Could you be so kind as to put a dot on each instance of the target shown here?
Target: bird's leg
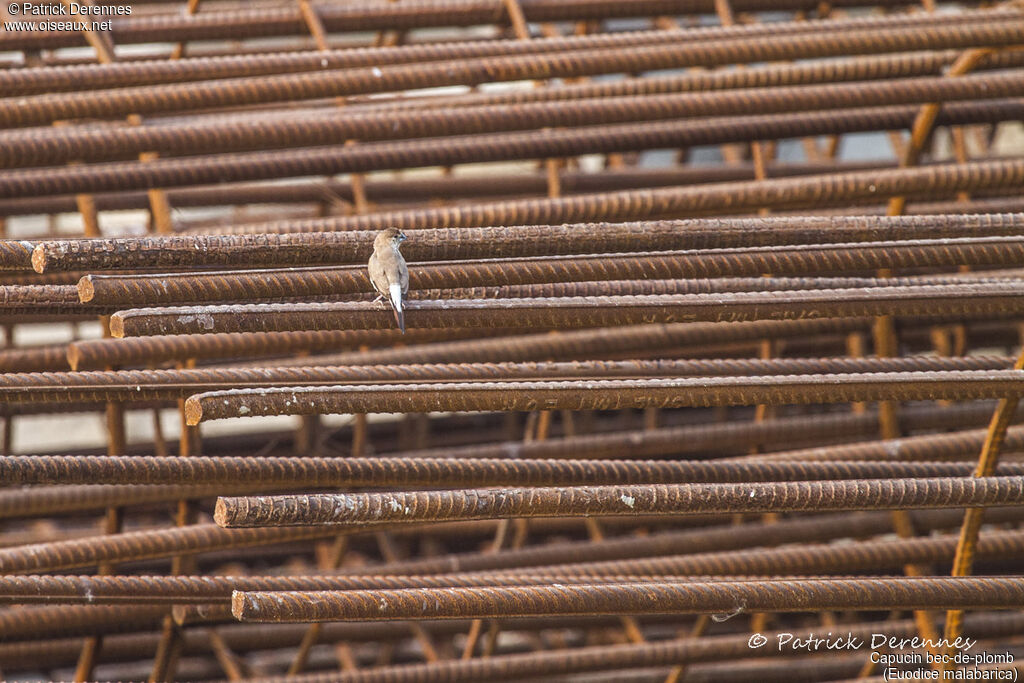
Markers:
(380, 297)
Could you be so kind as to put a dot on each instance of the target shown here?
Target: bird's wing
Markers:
(403, 275)
(378, 275)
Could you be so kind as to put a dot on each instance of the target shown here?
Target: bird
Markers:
(388, 273)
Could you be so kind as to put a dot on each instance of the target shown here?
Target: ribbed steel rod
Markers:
(709, 541)
(677, 499)
(27, 297)
(889, 66)
(258, 22)
(148, 385)
(132, 546)
(969, 300)
(51, 79)
(26, 623)
(31, 359)
(98, 353)
(830, 189)
(137, 290)
(603, 394)
(403, 471)
(598, 658)
(414, 190)
(34, 148)
(218, 589)
(42, 109)
(339, 158)
(793, 432)
(643, 598)
(807, 560)
(267, 249)
(42, 501)
(576, 344)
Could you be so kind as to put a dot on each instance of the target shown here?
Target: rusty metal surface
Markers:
(714, 333)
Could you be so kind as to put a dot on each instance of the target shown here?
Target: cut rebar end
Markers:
(116, 323)
(224, 513)
(193, 406)
(238, 604)
(86, 291)
(39, 262)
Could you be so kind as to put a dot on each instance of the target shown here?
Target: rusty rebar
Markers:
(967, 300)
(268, 249)
(282, 283)
(140, 545)
(602, 394)
(340, 158)
(837, 188)
(149, 385)
(677, 499)
(404, 471)
(41, 109)
(20, 149)
(43, 501)
(710, 540)
(50, 79)
(643, 598)
(287, 21)
(808, 560)
(99, 353)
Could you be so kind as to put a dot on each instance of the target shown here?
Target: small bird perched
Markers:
(388, 272)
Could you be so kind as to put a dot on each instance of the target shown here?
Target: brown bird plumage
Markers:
(388, 272)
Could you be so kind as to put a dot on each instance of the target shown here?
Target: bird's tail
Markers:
(396, 305)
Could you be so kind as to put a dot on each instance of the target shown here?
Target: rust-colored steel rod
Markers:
(28, 623)
(44, 109)
(890, 66)
(188, 251)
(708, 540)
(808, 560)
(133, 546)
(571, 345)
(576, 344)
(259, 22)
(731, 197)
(138, 290)
(29, 297)
(603, 394)
(676, 499)
(51, 79)
(599, 658)
(339, 158)
(34, 359)
(41, 501)
(968, 300)
(959, 445)
(35, 148)
(694, 286)
(16, 254)
(739, 435)
(149, 385)
(415, 190)
(406, 471)
(98, 353)
(393, 194)
(185, 590)
(643, 598)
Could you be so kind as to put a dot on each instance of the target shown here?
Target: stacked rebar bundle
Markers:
(712, 357)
